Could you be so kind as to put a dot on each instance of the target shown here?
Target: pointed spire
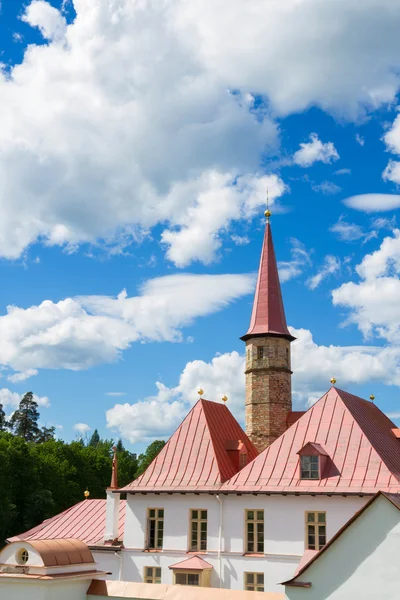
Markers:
(114, 473)
(268, 316)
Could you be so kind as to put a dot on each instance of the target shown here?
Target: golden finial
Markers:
(333, 380)
(267, 212)
(224, 398)
(86, 493)
(372, 397)
(200, 392)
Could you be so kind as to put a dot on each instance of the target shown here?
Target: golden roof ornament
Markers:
(86, 493)
(372, 397)
(225, 399)
(200, 392)
(267, 212)
(333, 380)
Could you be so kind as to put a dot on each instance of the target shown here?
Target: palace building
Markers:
(235, 509)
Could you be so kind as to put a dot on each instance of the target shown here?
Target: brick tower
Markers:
(268, 374)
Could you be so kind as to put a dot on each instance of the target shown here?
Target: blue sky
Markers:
(136, 146)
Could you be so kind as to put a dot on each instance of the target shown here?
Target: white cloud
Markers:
(315, 151)
(343, 172)
(360, 140)
(240, 240)
(103, 129)
(82, 428)
(50, 22)
(77, 333)
(160, 415)
(115, 393)
(300, 260)
(22, 376)
(331, 266)
(392, 173)
(373, 202)
(351, 232)
(373, 302)
(328, 188)
(10, 400)
(392, 141)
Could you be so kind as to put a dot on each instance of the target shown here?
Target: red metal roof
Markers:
(195, 563)
(268, 316)
(85, 521)
(196, 456)
(364, 454)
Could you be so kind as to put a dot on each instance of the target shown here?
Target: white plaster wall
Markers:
(362, 563)
(284, 534)
(108, 561)
(15, 589)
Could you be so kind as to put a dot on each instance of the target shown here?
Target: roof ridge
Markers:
(209, 427)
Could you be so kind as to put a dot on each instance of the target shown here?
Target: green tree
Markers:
(95, 439)
(3, 421)
(45, 435)
(149, 455)
(24, 422)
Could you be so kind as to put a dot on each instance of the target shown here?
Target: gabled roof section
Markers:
(309, 557)
(196, 456)
(195, 563)
(268, 316)
(364, 454)
(312, 448)
(85, 521)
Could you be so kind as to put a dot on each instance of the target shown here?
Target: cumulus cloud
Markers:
(373, 202)
(114, 125)
(160, 415)
(47, 19)
(10, 400)
(77, 333)
(315, 151)
(373, 302)
(392, 141)
(82, 428)
(22, 375)
(331, 266)
(360, 140)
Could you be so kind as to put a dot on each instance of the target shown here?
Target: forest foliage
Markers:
(41, 476)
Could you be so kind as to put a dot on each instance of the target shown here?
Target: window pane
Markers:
(311, 517)
(250, 515)
(195, 526)
(250, 577)
(193, 579)
(203, 527)
(161, 513)
(152, 512)
(158, 571)
(260, 515)
(149, 571)
(195, 514)
(260, 578)
(180, 578)
(204, 514)
(321, 517)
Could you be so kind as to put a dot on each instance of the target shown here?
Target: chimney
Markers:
(112, 506)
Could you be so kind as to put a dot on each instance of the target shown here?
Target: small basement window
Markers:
(309, 467)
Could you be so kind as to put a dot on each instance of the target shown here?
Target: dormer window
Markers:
(313, 461)
(309, 467)
(243, 459)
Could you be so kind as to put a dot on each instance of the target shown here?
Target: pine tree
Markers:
(149, 455)
(24, 422)
(45, 435)
(95, 439)
(120, 446)
(3, 422)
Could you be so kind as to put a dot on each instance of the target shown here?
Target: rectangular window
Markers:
(242, 459)
(155, 528)
(255, 531)
(260, 352)
(152, 575)
(309, 467)
(198, 530)
(254, 582)
(315, 530)
(187, 578)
